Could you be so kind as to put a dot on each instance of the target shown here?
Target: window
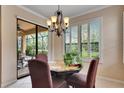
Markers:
(94, 38)
(74, 39)
(67, 40)
(84, 40)
(90, 39)
(71, 39)
(87, 42)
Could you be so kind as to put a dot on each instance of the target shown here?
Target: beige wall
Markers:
(112, 50)
(8, 35)
(57, 48)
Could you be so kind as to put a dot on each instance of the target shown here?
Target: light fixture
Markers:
(57, 23)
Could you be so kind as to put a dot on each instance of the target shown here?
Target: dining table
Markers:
(61, 70)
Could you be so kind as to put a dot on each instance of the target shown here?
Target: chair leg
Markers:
(94, 86)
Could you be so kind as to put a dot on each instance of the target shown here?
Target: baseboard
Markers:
(4, 85)
(111, 79)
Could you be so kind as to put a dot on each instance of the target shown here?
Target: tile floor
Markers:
(100, 83)
(22, 72)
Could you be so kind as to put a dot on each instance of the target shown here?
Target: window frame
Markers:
(70, 41)
(79, 35)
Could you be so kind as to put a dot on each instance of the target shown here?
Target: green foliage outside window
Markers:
(30, 51)
(72, 58)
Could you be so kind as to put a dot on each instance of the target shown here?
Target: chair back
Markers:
(42, 57)
(40, 74)
(91, 76)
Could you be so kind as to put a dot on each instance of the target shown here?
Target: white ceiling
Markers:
(68, 10)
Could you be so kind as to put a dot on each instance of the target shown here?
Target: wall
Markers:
(58, 48)
(112, 47)
(8, 37)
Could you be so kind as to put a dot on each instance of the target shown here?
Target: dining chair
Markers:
(78, 80)
(41, 75)
(42, 57)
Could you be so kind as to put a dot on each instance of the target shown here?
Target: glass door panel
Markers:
(42, 40)
(26, 46)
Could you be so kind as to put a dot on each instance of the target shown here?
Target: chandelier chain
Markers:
(58, 7)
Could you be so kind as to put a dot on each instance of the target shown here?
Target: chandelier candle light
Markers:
(57, 23)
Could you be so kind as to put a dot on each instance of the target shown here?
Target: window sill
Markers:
(88, 60)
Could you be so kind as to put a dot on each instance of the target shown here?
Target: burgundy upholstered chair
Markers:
(42, 57)
(41, 76)
(78, 80)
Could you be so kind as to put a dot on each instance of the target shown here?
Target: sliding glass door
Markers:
(32, 39)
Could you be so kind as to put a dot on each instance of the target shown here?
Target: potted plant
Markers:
(73, 59)
(78, 60)
(68, 59)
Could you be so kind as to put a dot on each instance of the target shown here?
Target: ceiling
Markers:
(68, 10)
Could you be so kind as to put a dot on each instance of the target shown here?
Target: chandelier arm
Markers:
(62, 18)
(59, 26)
(57, 22)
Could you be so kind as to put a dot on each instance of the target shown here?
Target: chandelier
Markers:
(57, 23)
